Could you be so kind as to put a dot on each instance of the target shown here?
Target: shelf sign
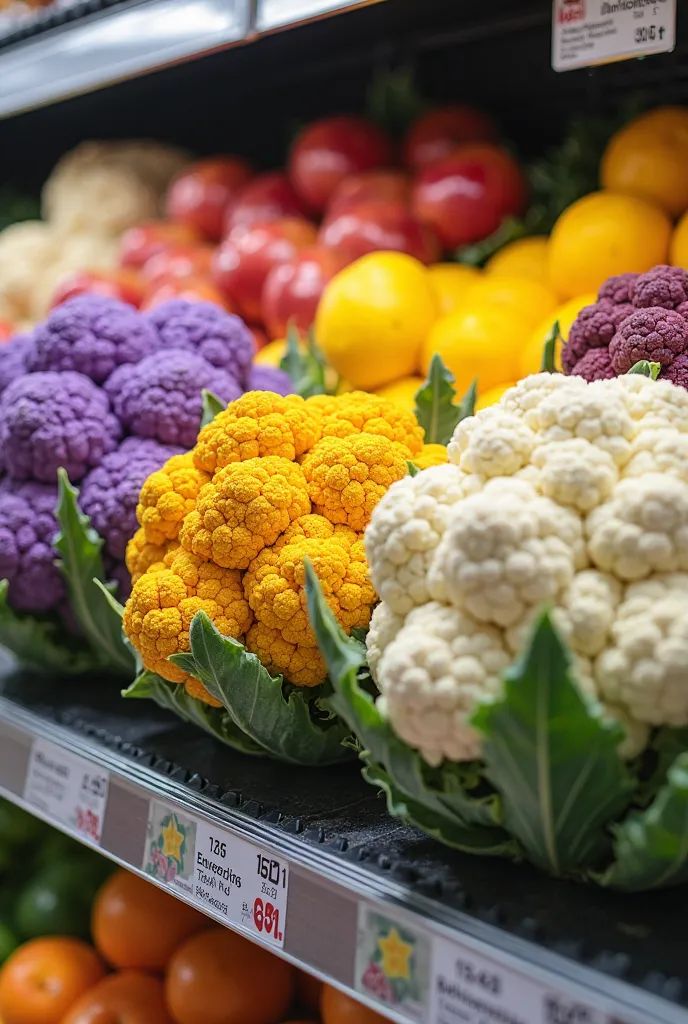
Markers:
(69, 790)
(223, 875)
(590, 32)
(392, 962)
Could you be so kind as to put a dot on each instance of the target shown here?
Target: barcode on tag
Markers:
(67, 789)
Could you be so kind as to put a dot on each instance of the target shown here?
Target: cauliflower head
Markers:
(245, 508)
(384, 626)
(167, 496)
(360, 413)
(141, 554)
(27, 559)
(300, 664)
(221, 338)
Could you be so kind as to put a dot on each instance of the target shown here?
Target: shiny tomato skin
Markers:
(138, 244)
(292, 290)
(200, 195)
(245, 258)
(117, 284)
(267, 197)
(437, 134)
(328, 151)
(382, 224)
(466, 196)
(177, 263)
(194, 289)
(370, 185)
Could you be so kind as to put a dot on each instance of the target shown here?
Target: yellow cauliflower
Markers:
(167, 496)
(361, 413)
(195, 688)
(141, 554)
(431, 455)
(348, 476)
(301, 665)
(245, 508)
(259, 423)
(315, 526)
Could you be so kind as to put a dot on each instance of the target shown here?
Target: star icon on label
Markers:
(395, 955)
(172, 839)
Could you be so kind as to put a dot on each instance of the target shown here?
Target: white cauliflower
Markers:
(384, 626)
(574, 472)
(27, 250)
(527, 395)
(591, 413)
(659, 450)
(496, 444)
(433, 674)
(650, 403)
(406, 527)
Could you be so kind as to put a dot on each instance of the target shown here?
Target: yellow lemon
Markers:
(450, 282)
(273, 353)
(531, 356)
(373, 316)
(402, 391)
(526, 257)
(493, 395)
(483, 342)
(605, 233)
(648, 158)
(528, 300)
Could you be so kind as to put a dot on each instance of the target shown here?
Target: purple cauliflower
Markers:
(662, 286)
(618, 289)
(48, 420)
(594, 327)
(655, 334)
(27, 529)
(221, 338)
(682, 310)
(269, 378)
(110, 492)
(677, 373)
(14, 357)
(160, 397)
(596, 364)
(93, 335)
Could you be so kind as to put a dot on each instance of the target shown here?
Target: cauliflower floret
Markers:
(650, 402)
(439, 666)
(575, 473)
(360, 413)
(348, 476)
(27, 250)
(662, 286)
(655, 334)
(405, 529)
(141, 554)
(431, 455)
(637, 733)
(595, 365)
(315, 527)
(593, 412)
(618, 288)
(504, 550)
(102, 199)
(167, 496)
(644, 670)
(301, 665)
(593, 329)
(498, 444)
(384, 626)
(643, 528)
(221, 338)
(259, 423)
(244, 509)
(526, 396)
(659, 450)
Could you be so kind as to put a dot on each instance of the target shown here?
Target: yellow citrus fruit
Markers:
(526, 299)
(531, 356)
(605, 233)
(273, 353)
(402, 392)
(648, 158)
(373, 316)
(678, 250)
(526, 257)
(450, 282)
(492, 396)
(481, 341)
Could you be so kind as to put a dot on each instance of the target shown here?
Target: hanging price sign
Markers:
(590, 32)
(68, 789)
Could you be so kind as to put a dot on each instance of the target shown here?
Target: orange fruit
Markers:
(128, 997)
(135, 924)
(648, 158)
(526, 257)
(308, 992)
(43, 978)
(678, 252)
(338, 1008)
(218, 977)
(605, 233)
(450, 282)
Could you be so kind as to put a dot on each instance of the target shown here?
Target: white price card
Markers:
(67, 788)
(225, 876)
(469, 988)
(589, 32)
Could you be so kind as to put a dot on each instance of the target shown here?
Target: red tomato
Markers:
(267, 197)
(117, 284)
(138, 244)
(330, 150)
(7, 331)
(195, 289)
(292, 290)
(466, 196)
(260, 338)
(200, 195)
(361, 188)
(246, 257)
(384, 224)
(177, 263)
(437, 134)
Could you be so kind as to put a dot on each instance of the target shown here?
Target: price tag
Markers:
(589, 32)
(470, 988)
(67, 788)
(225, 876)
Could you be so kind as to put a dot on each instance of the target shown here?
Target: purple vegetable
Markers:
(221, 338)
(93, 335)
(15, 355)
(594, 327)
(662, 286)
(655, 334)
(48, 420)
(160, 397)
(677, 373)
(269, 378)
(27, 529)
(618, 289)
(110, 492)
(596, 364)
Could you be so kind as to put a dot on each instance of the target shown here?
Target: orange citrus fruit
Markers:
(648, 158)
(43, 978)
(129, 997)
(338, 1008)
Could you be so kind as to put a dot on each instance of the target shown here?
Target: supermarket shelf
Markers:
(587, 957)
(273, 14)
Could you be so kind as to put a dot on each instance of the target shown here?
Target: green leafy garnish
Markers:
(549, 350)
(306, 368)
(436, 411)
(477, 254)
(393, 101)
(646, 369)
(41, 643)
(412, 468)
(212, 405)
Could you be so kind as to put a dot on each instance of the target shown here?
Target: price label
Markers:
(589, 32)
(470, 988)
(67, 788)
(225, 876)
